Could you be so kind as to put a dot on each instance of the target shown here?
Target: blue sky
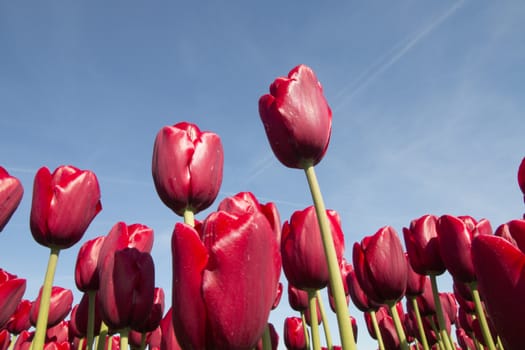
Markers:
(428, 101)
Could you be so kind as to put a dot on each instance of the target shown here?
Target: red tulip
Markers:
(514, 232)
(521, 176)
(455, 239)
(127, 289)
(380, 266)
(59, 307)
(187, 167)
(58, 333)
(425, 301)
(423, 247)
(168, 340)
(225, 284)
(5, 339)
(64, 204)
(464, 340)
(154, 317)
(297, 298)
(415, 281)
(294, 337)
(304, 261)
(23, 341)
(79, 316)
(11, 192)
(12, 289)
(358, 296)
(19, 321)
(499, 269)
(86, 272)
(297, 118)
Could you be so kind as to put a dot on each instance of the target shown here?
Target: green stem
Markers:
(101, 344)
(91, 318)
(124, 333)
(439, 311)
(500, 344)
(419, 321)
(43, 312)
(377, 331)
(399, 327)
(439, 336)
(189, 217)
(314, 324)
(306, 334)
(12, 343)
(487, 336)
(266, 339)
(326, 326)
(336, 282)
(143, 341)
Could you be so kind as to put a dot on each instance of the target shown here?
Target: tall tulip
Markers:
(304, 261)
(499, 268)
(12, 289)
(11, 192)
(187, 167)
(225, 277)
(298, 124)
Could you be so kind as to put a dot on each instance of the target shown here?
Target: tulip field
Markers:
(230, 269)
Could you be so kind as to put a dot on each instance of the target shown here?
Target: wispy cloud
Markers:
(388, 59)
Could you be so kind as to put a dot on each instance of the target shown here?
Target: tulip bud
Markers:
(514, 232)
(297, 118)
(297, 298)
(127, 289)
(12, 289)
(86, 272)
(294, 337)
(521, 176)
(380, 266)
(304, 260)
(187, 167)
(415, 281)
(59, 306)
(19, 321)
(64, 204)
(154, 317)
(11, 192)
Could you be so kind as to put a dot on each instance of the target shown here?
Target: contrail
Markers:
(396, 53)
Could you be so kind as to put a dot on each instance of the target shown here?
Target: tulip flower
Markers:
(12, 289)
(415, 281)
(64, 204)
(5, 339)
(225, 278)
(80, 314)
(499, 267)
(423, 247)
(514, 232)
(86, 272)
(155, 315)
(60, 305)
(274, 339)
(303, 256)
(127, 289)
(521, 176)
(59, 333)
(11, 192)
(294, 336)
(380, 266)
(19, 321)
(187, 167)
(297, 298)
(297, 118)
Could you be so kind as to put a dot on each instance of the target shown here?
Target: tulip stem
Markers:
(326, 326)
(306, 334)
(314, 323)
(43, 312)
(91, 318)
(422, 335)
(101, 343)
(487, 336)
(189, 217)
(124, 333)
(336, 282)
(399, 327)
(439, 311)
(377, 331)
(12, 342)
(266, 338)
(143, 341)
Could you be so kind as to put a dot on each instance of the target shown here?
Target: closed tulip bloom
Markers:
(499, 267)
(297, 298)
(415, 281)
(86, 271)
(64, 204)
(294, 337)
(79, 316)
(58, 333)
(455, 239)
(5, 339)
(521, 176)
(304, 261)
(11, 192)
(127, 290)
(225, 278)
(358, 296)
(60, 305)
(297, 118)
(12, 289)
(514, 232)
(380, 266)
(187, 167)
(19, 321)
(422, 246)
(154, 317)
